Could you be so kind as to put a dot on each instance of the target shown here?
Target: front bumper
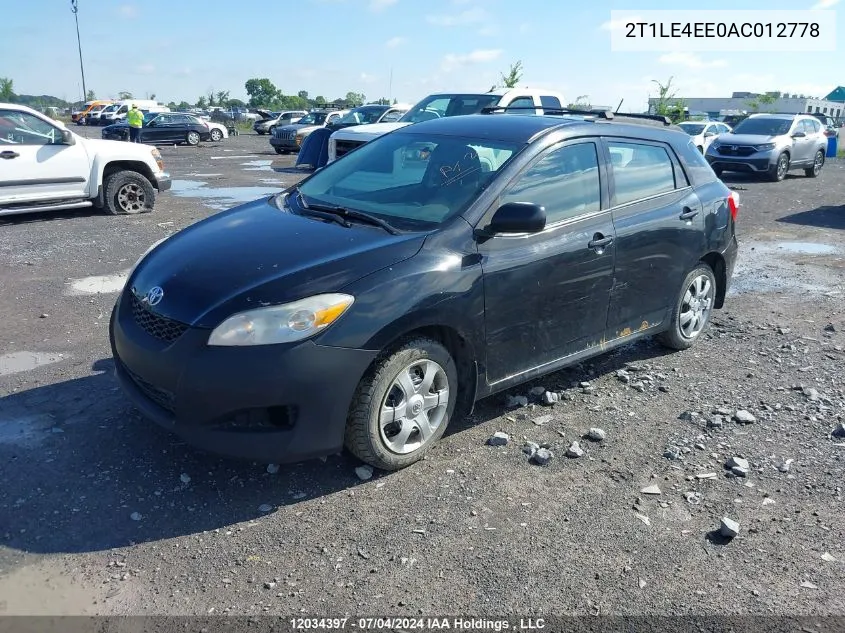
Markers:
(276, 403)
(284, 143)
(756, 163)
(163, 182)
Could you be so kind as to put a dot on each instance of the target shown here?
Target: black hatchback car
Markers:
(434, 266)
(165, 127)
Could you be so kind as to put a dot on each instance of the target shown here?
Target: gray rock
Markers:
(744, 417)
(623, 376)
(269, 585)
(499, 438)
(516, 401)
(783, 465)
(596, 434)
(364, 472)
(550, 397)
(739, 472)
(136, 516)
(638, 386)
(542, 456)
(693, 498)
(672, 452)
(272, 468)
(651, 490)
(737, 462)
(574, 451)
(185, 478)
(728, 527)
(537, 391)
(543, 419)
(812, 394)
(839, 430)
(530, 448)
(688, 416)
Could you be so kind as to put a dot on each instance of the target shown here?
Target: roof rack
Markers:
(607, 115)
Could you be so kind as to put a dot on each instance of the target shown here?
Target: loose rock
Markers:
(672, 452)
(272, 468)
(517, 401)
(808, 585)
(651, 490)
(499, 438)
(574, 451)
(744, 417)
(839, 430)
(737, 462)
(136, 516)
(828, 558)
(543, 419)
(530, 448)
(728, 528)
(596, 435)
(542, 456)
(364, 472)
(185, 478)
(550, 397)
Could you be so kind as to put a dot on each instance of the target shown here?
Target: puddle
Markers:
(258, 165)
(203, 175)
(237, 195)
(234, 157)
(272, 181)
(98, 284)
(785, 267)
(17, 362)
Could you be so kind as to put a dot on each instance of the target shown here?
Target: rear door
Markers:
(35, 164)
(803, 147)
(659, 227)
(547, 294)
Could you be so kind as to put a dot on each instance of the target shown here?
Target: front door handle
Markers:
(8, 155)
(688, 214)
(600, 241)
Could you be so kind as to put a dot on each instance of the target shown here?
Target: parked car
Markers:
(217, 131)
(288, 138)
(275, 119)
(168, 127)
(447, 105)
(432, 267)
(829, 124)
(771, 144)
(46, 167)
(704, 132)
(81, 117)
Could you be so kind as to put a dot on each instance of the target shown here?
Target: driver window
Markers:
(22, 128)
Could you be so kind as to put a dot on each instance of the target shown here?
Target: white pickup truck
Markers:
(46, 167)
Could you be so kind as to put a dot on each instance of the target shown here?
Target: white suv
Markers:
(46, 167)
(515, 100)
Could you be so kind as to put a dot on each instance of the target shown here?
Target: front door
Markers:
(547, 294)
(803, 147)
(660, 229)
(36, 164)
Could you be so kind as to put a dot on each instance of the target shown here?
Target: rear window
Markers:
(550, 102)
(697, 168)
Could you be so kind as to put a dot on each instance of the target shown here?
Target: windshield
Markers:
(763, 127)
(693, 129)
(413, 181)
(313, 118)
(437, 106)
(362, 116)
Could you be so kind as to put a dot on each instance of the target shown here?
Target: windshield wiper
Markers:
(343, 213)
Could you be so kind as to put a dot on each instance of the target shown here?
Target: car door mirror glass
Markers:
(518, 217)
(67, 137)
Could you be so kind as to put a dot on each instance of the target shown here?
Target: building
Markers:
(833, 105)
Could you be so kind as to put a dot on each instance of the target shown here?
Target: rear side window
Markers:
(552, 103)
(521, 105)
(640, 171)
(565, 181)
(695, 165)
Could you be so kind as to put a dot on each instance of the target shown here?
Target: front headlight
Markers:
(281, 324)
(764, 147)
(299, 138)
(157, 158)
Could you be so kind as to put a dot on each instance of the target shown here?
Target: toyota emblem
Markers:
(154, 296)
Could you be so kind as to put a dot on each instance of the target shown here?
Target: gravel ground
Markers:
(104, 513)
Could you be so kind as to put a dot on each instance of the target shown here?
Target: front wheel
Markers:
(260, 133)
(403, 405)
(128, 193)
(777, 172)
(279, 151)
(818, 163)
(692, 309)
(216, 135)
(192, 138)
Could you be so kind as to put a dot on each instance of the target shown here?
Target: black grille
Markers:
(161, 397)
(736, 150)
(155, 325)
(344, 147)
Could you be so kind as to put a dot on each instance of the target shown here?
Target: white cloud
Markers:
(368, 79)
(470, 16)
(824, 4)
(381, 5)
(616, 25)
(128, 11)
(393, 42)
(489, 30)
(453, 62)
(689, 60)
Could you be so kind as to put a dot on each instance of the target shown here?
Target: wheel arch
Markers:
(112, 167)
(716, 262)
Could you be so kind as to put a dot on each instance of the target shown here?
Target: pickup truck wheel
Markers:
(403, 405)
(192, 139)
(216, 135)
(128, 193)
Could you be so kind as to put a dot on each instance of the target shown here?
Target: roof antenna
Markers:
(619, 106)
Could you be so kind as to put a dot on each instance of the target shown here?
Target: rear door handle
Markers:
(688, 214)
(599, 241)
(9, 155)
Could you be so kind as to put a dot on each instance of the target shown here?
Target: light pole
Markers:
(75, 10)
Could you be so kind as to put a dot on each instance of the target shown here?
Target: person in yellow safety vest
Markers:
(135, 119)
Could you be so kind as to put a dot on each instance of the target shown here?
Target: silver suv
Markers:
(771, 144)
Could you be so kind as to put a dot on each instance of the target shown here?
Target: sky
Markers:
(182, 49)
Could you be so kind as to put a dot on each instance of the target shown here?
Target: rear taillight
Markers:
(733, 204)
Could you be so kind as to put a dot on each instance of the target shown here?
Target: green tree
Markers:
(210, 98)
(303, 94)
(202, 103)
(222, 98)
(262, 93)
(581, 103)
(763, 102)
(668, 103)
(183, 105)
(7, 90)
(511, 79)
(123, 94)
(319, 100)
(395, 100)
(236, 103)
(90, 95)
(355, 99)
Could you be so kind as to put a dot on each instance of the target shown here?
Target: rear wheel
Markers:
(128, 193)
(216, 135)
(692, 309)
(402, 405)
(261, 133)
(192, 138)
(777, 172)
(818, 163)
(279, 151)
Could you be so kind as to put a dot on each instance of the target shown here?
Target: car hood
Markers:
(295, 127)
(265, 114)
(746, 139)
(257, 255)
(373, 129)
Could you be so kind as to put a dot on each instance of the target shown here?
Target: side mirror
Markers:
(68, 138)
(799, 135)
(517, 217)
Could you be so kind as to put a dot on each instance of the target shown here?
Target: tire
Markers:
(192, 139)
(778, 171)
(279, 151)
(700, 280)
(261, 133)
(270, 131)
(216, 135)
(816, 169)
(128, 193)
(382, 446)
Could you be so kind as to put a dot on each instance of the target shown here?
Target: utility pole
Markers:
(75, 9)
